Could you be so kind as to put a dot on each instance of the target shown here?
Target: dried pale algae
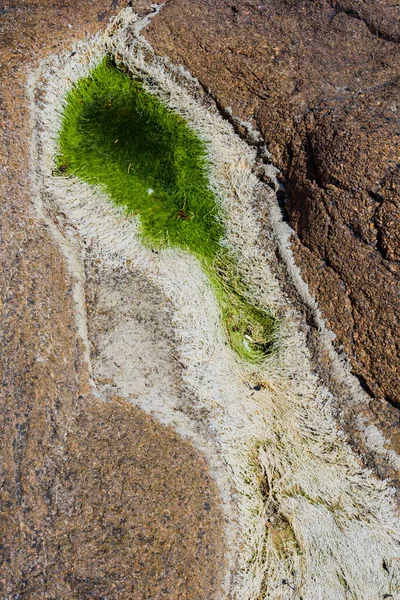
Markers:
(311, 523)
(147, 159)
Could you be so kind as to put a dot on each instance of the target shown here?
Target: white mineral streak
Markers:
(311, 523)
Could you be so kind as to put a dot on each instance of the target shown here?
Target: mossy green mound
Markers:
(146, 157)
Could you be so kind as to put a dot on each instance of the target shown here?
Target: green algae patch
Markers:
(145, 156)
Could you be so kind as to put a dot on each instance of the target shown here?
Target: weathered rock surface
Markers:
(84, 482)
(97, 499)
(320, 81)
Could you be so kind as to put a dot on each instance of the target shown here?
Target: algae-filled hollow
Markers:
(148, 159)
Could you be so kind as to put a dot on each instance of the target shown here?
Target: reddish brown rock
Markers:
(320, 81)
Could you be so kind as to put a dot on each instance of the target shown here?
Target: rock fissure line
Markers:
(374, 29)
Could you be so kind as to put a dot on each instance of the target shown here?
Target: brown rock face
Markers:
(97, 500)
(320, 81)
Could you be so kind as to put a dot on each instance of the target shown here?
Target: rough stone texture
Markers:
(320, 81)
(97, 499)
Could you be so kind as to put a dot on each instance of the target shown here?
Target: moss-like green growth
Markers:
(116, 134)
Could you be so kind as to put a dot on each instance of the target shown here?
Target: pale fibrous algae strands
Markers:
(303, 518)
(146, 157)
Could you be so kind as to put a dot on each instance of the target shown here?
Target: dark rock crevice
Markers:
(373, 28)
